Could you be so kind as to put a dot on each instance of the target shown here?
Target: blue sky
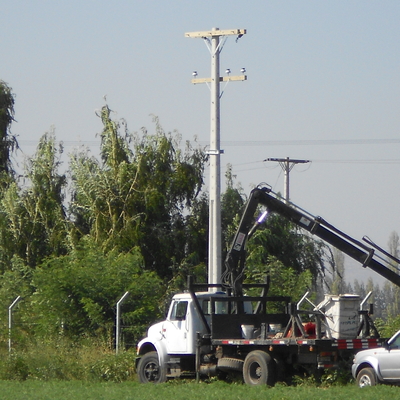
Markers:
(323, 85)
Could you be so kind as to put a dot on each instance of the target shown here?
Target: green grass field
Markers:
(76, 390)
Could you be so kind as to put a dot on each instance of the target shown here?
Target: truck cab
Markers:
(171, 344)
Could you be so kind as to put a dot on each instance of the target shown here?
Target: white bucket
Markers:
(247, 331)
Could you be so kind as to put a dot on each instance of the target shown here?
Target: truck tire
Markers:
(149, 369)
(227, 364)
(258, 369)
(366, 377)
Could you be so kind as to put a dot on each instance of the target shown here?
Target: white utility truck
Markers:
(214, 329)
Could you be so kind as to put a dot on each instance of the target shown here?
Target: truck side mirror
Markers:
(386, 345)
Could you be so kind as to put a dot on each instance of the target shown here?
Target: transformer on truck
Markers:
(214, 329)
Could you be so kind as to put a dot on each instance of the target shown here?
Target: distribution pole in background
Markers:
(215, 46)
(287, 165)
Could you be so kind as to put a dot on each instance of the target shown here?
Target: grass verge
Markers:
(77, 390)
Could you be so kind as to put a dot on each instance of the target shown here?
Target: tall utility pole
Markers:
(287, 165)
(212, 39)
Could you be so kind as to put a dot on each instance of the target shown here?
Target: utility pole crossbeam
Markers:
(287, 165)
(215, 32)
(214, 44)
(221, 79)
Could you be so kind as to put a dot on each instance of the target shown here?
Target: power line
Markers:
(252, 164)
(310, 142)
(327, 142)
(378, 161)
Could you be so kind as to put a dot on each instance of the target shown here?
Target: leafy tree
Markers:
(139, 194)
(378, 301)
(232, 203)
(194, 262)
(8, 142)
(359, 288)
(287, 243)
(338, 282)
(394, 245)
(285, 281)
(392, 291)
(77, 293)
(35, 216)
(15, 281)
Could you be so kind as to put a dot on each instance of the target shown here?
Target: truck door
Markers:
(175, 328)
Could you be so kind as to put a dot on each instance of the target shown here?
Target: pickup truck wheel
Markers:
(149, 369)
(366, 377)
(257, 369)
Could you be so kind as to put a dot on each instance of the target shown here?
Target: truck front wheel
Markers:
(366, 377)
(257, 369)
(149, 369)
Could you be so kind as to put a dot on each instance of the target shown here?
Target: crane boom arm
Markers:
(317, 226)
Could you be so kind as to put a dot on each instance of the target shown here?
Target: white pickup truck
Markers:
(380, 365)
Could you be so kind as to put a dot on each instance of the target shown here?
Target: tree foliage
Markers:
(295, 251)
(33, 217)
(337, 281)
(80, 290)
(135, 220)
(138, 194)
(8, 142)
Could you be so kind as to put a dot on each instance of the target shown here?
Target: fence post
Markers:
(118, 326)
(13, 304)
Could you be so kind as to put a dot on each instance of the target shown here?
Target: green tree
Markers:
(8, 142)
(287, 243)
(378, 301)
(195, 260)
(281, 250)
(338, 282)
(359, 288)
(232, 204)
(138, 194)
(77, 293)
(394, 246)
(34, 215)
(393, 308)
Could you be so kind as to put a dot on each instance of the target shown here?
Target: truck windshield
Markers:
(395, 344)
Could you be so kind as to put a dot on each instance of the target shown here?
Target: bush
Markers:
(63, 360)
(14, 368)
(115, 368)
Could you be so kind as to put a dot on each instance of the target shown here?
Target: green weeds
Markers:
(67, 361)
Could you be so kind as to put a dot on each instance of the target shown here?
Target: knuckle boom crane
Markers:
(365, 254)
